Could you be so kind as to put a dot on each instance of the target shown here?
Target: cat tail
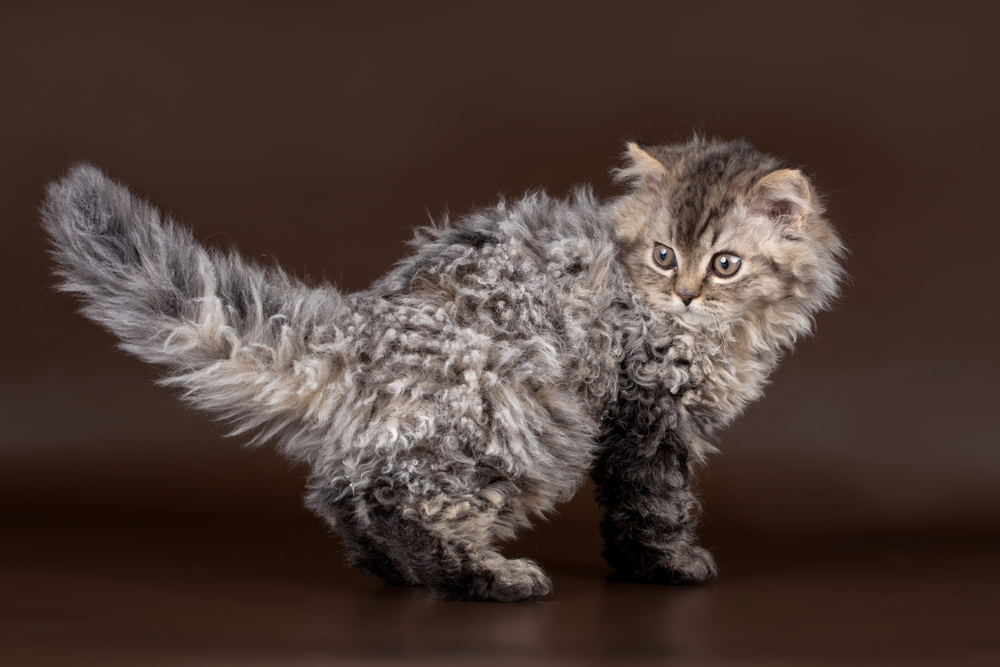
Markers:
(240, 340)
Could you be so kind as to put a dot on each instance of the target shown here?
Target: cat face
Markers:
(716, 233)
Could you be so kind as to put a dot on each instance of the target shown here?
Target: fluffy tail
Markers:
(241, 340)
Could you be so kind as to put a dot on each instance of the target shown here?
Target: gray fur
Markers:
(478, 383)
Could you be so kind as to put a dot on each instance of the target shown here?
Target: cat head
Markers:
(716, 234)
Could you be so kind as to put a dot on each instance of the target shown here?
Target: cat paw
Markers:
(683, 565)
(512, 580)
(693, 565)
(498, 579)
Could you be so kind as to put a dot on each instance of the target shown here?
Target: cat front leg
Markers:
(650, 512)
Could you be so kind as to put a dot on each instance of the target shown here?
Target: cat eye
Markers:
(664, 256)
(726, 264)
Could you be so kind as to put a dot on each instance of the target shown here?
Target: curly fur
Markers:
(510, 355)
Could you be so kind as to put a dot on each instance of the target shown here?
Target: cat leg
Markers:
(649, 514)
(364, 550)
(438, 540)
(444, 542)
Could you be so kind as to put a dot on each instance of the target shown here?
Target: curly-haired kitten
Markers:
(513, 353)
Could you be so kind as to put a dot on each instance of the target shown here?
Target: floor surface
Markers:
(205, 591)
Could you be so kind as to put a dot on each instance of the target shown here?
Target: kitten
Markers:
(510, 355)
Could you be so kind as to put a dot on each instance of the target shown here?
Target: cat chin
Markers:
(692, 319)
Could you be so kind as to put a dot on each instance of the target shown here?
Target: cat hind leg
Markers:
(440, 541)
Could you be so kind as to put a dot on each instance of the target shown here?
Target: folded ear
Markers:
(785, 196)
(641, 168)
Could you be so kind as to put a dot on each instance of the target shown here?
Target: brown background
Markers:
(321, 134)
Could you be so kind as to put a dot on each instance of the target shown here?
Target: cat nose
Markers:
(686, 296)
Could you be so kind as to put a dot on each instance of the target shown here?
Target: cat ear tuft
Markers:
(641, 168)
(784, 196)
